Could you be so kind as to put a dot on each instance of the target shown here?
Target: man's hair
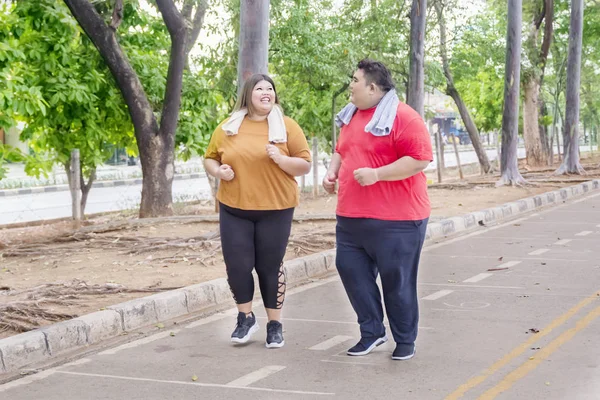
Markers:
(245, 99)
(376, 72)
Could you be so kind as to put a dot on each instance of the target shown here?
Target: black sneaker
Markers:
(245, 327)
(274, 335)
(366, 345)
(404, 351)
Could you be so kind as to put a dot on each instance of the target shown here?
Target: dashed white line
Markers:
(77, 362)
(137, 343)
(477, 278)
(563, 241)
(583, 233)
(329, 343)
(27, 380)
(214, 385)
(508, 264)
(256, 376)
(538, 252)
(348, 362)
(438, 295)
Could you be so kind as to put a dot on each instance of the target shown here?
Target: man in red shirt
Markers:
(382, 209)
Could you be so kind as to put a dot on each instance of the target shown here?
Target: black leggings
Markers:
(255, 239)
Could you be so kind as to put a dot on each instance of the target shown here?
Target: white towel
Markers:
(383, 118)
(277, 132)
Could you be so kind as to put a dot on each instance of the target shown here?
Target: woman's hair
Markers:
(245, 99)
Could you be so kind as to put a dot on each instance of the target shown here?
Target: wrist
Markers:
(376, 170)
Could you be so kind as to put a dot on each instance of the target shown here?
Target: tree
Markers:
(509, 167)
(571, 164)
(83, 108)
(416, 78)
(254, 39)
(453, 92)
(156, 142)
(537, 54)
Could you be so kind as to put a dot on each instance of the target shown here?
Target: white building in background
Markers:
(11, 137)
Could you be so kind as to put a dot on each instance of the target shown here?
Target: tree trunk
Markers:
(543, 130)
(156, 144)
(531, 128)
(254, 39)
(509, 167)
(453, 92)
(85, 189)
(416, 76)
(571, 164)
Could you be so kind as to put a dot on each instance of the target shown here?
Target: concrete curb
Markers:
(40, 345)
(454, 225)
(97, 184)
(19, 351)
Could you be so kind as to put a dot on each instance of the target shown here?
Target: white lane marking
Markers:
(77, 362)
(598, 226)
(233, 311)
(256, 376)
(348, 362)
(27, 380)
(137, 343)
(472, 286)
(438, 295)
(325, 321)
(471, 256)
(477, 278)
(214, 385)
(329, 343)
(583, 233)
(211, 318)
(508, 264)
(538, 252)
(563, 241)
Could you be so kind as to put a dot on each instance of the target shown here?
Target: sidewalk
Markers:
(499, 317)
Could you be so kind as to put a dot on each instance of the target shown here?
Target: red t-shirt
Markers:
(402, 200)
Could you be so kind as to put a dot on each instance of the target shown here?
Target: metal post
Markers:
(315, 154)
(437, 151)
(75, 180)
(460, 171)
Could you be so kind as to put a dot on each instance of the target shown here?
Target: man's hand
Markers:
(329, 182)
(225, 172)
(366, 176)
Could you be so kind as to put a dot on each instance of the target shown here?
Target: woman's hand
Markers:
(225, 173)
(274, 153)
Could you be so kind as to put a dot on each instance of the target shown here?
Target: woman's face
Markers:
(263, 97)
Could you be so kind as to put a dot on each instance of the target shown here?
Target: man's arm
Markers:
(332, 173)
(400, 169)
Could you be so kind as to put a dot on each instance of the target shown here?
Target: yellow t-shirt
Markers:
(259, 183)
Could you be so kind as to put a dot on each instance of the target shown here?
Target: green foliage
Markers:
(478, 66)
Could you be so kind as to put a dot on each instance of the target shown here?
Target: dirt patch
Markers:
(49, 273)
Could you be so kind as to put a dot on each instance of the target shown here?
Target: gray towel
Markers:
(383, 119)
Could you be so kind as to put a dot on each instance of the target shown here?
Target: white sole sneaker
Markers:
(408, 357)
(376, 343)
(245, 339)
(274, 345)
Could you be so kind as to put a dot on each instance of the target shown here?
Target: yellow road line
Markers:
(540, 356)
(517, 351)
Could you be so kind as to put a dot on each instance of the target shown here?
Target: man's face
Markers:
(362, 94)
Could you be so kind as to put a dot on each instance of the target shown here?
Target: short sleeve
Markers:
(212, 151)
(296, 141)
(414, 141)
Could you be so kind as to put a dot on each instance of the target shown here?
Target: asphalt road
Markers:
(508, 312)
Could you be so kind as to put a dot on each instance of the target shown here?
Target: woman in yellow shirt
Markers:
(256, 153)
